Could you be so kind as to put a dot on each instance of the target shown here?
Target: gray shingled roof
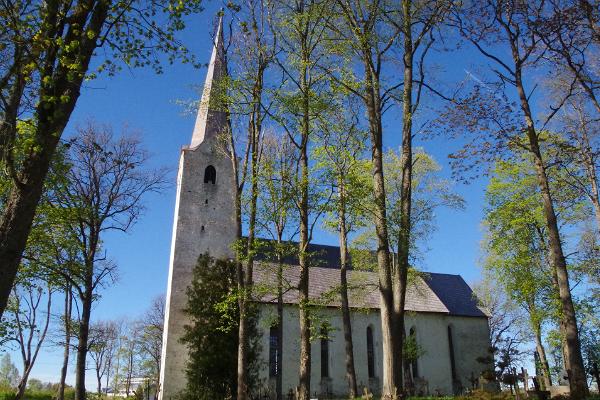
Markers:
(456, 295)
(425, 295)
(323, 283)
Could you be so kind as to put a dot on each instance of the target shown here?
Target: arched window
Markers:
(414, 365)
(274, 357)
(370, 353)
(451, 348)
(324, 353)
(210, 175)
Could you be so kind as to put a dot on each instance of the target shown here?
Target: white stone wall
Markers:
(470, 342)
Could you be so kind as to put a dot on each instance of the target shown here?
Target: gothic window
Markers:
(274, 357)
(370, 353)
(210, 175)
(451, 348)
(414, 365)
(324, 353)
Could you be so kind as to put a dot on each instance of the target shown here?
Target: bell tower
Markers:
(204, 220)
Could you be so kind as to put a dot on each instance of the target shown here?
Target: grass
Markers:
(9, 394)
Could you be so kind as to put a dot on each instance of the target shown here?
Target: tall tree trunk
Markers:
(305, 356)
(129, 372)
(279, 377)
(254, 134)
(541, 352)
(349, 346)
(390, 384)
(246, 284)
(82, 345)
(99, 379)
(573, 357)
(23, 382)
(304, 314)
(17, 218)
(401, 274)
(65, 366)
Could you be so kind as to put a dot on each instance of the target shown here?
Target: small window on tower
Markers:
(210, 175)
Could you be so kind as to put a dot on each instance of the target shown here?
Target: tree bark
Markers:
(65, 366)
(305, 356)
(390, 384)
(401, 272)
(541, 352)
(573, 357)
(279, 377)
(304, 313)
(23, 382)
(99, 379)
(51, 118)
(17, 219)
(82, 345)
(347, 326)
(254, 135)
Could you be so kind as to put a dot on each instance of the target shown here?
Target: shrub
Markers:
(9, 394)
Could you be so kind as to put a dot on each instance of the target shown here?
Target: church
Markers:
(451, 331)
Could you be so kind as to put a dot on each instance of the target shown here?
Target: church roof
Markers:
(212, 118)
(429, 292)
(456, 295)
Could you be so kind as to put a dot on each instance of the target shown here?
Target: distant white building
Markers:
(443, 316)
(135, 383)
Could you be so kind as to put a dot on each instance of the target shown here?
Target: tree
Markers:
(35, 384)
(590, 335)
(568, 30)
(129, 355)
(102, 348)
(150, 341)
(9, 374)
(506, 331)
(254, 52)
(47, 51)
(105, 185)
(342, 144)
(416, 21)
(580, 153)
(31, 323)
(277, 220)
(429, 192)
(488, 26)
(212, 334)
(29, 308)
(68, 330)
(516, 250)
(299, 27)
(368, 37)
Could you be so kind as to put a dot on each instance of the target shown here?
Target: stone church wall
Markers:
(470, 340)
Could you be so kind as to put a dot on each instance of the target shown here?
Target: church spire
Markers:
(212, 118)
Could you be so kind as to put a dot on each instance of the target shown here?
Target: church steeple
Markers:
(212, 118)
(204, 218)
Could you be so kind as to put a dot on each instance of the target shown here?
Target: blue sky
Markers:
(146, 102)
